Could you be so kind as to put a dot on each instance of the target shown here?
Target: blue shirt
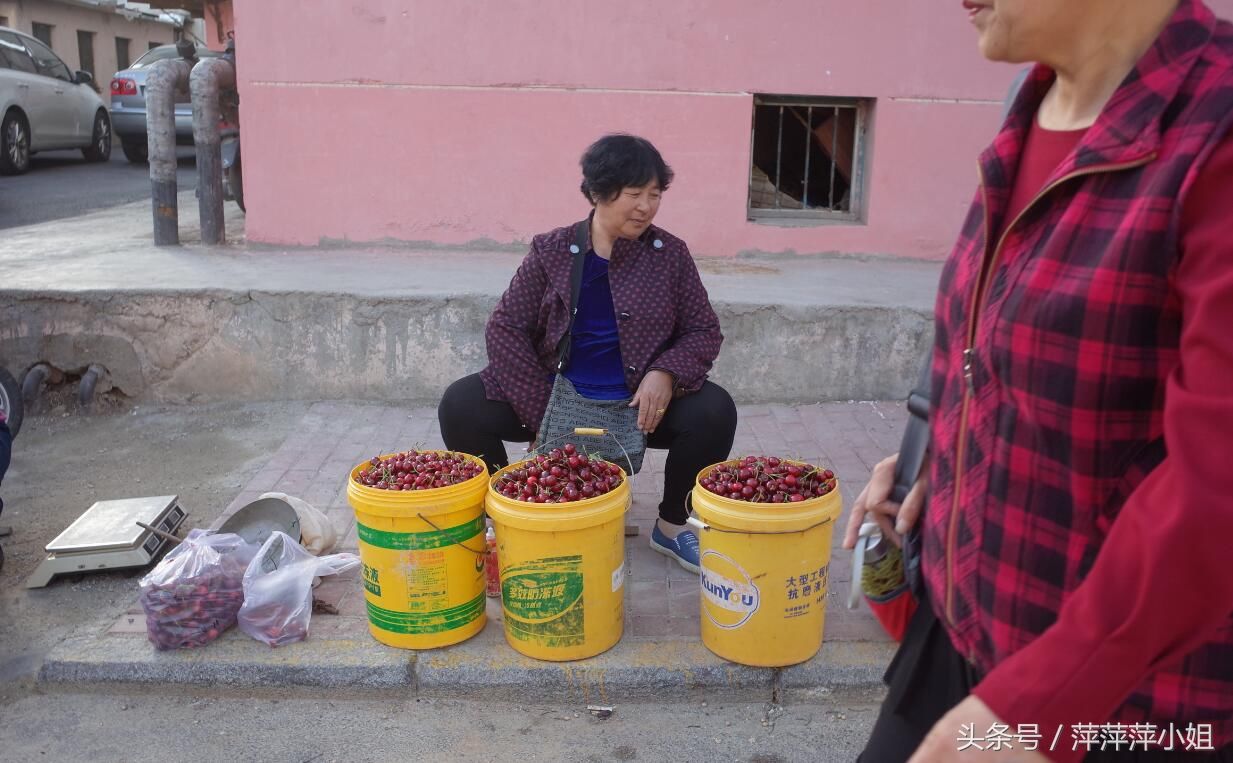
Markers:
(595, 349)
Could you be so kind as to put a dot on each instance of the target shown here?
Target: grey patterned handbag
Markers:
(567, 410)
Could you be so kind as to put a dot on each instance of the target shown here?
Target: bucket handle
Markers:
(584, 432)
(456, 543)
(699, 524)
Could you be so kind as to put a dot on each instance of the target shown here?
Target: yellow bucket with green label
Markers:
(764, 575)
(562, 572)
(422, 556)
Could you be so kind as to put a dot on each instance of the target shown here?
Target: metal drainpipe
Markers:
(89, 380)
(166, 78)
(210, 76)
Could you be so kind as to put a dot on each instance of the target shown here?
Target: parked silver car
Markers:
(43, 106)
(128, 103)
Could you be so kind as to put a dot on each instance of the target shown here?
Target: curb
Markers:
(232, 661)
(481, 667)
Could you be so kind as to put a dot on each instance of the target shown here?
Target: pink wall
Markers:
(462, 122)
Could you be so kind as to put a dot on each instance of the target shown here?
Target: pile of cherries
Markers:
(418, 470)
(562, 475)
(767, 479)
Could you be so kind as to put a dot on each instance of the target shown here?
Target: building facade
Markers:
(799, 126)
(97, 36)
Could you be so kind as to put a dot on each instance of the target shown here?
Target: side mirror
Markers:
(83, 78)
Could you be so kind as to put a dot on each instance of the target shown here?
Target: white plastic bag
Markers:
(278, 597)
(194, 593)
(317, 533)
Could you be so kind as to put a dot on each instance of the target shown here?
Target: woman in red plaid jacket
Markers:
(1078, 595)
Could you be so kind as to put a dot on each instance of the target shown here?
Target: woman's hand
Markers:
(895, 520)
(652, 398)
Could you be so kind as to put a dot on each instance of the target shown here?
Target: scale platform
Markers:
(106, 537)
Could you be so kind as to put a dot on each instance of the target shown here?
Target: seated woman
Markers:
(644, 331)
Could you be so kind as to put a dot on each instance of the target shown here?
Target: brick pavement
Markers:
(662, 600)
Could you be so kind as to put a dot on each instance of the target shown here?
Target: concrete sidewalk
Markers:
(392, 324)
(660, 655)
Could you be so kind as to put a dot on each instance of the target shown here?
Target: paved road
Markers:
(62, 184)
(158, 725)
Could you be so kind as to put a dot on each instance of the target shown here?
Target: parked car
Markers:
(128, 103)
(43, 106)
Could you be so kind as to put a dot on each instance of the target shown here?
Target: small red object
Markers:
(491, 569)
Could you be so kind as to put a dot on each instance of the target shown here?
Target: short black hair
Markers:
(619, 161)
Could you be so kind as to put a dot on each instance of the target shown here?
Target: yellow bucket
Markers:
(423, 582)
(764, 575)
(562, 572)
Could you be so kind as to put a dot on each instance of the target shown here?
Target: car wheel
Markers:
(136, 150)
(14, 144)
(99, 149)
(10, 401)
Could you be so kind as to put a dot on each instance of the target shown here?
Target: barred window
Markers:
(808, 158)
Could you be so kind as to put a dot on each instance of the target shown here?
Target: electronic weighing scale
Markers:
(107, 537)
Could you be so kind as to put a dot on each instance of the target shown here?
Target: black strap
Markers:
(907, 469)
(915, 436)
(582, 235)
(1015, 86)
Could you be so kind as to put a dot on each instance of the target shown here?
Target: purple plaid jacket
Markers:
(664, 319)
(1058, 369)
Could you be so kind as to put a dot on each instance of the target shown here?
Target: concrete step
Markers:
(246, 323)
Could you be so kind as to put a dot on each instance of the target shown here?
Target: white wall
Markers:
(67, 19)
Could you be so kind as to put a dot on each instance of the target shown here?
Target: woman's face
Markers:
(1019, 31)
(631, 212)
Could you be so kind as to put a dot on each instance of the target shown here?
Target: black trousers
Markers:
(696, 431)
(6, 450)
(927, 678)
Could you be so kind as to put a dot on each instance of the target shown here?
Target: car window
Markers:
(13, 53)
(165, 52)
(46, 62)
(154, 55)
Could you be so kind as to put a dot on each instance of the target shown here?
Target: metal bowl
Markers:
(255, 522)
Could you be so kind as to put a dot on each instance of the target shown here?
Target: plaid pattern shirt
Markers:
(1058, 335)
(664, 319)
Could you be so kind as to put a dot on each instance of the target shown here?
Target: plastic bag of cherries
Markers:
(196, 591)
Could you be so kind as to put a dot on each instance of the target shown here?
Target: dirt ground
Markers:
(64, 462)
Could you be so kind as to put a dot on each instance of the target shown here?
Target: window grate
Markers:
(807, 158)
(123, 57)
(42, 33)
(85, 51)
